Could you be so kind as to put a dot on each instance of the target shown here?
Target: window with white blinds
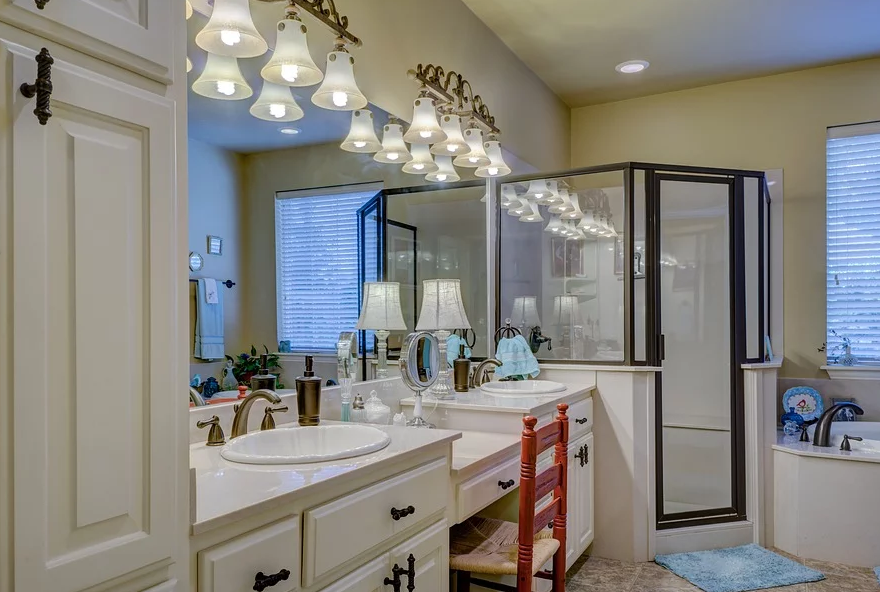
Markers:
(853, 241)
(316, 259)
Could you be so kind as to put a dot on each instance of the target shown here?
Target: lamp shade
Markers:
(477, 155)
(381, 307)
(525, 312)
(575, 213)
(189, 64)
(231, 32)
(588, 223)
(339, 91)
(519, 208)
(508, 196)
(496, 167)
(566, 310)
(421, 163)
(425, 129)
(554, 226)
(291, 63)
(276, 104)
(532, 214)
(564, 203)
(442, 306)
(394, 150)
(544, 192)
(454, 144)
(445, 172)
(362, 136)
(221, 79)
(189, 10)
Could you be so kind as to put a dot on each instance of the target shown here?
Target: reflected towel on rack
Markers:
(209, 325)
(516, 358)
(211, 291)
(453, 342)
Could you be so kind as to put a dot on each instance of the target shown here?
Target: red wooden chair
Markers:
(489, 546)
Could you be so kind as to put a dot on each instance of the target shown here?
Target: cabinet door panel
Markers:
(586, 528)
(368, 578)
(137, 34)
(94, 315)
(431, 551)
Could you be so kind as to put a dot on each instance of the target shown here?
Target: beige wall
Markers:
(216, 208)
(763, 123)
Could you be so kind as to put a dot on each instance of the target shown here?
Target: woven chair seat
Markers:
(490, 546)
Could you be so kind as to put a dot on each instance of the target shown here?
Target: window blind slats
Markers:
(316, 251)
(853, 242)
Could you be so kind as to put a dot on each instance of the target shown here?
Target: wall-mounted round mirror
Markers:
(419, 368)
(347, 355)
(195, 261)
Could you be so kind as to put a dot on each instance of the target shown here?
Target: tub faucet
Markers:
(196, 398)
(822, 435)
(240, 421)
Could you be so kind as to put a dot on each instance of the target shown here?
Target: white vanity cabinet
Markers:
(133, 34)
(579, 533)
(89, 213)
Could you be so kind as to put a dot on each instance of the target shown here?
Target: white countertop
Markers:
(226, 492)
(476, 451)
(792, 445)
(476, 400)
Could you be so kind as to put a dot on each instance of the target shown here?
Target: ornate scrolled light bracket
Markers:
(453, 89)
(326, 12)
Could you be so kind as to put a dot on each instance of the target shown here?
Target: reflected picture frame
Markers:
(215, 245)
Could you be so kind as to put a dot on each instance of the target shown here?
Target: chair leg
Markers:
(464, 581)
(559, 570)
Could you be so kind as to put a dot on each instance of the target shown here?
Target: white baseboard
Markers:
(701, 538)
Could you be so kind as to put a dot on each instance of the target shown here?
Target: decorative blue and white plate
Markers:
(807, 402)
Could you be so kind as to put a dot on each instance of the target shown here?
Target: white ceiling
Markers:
(573, 45)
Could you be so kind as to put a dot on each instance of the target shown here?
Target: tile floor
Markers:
(592, 574)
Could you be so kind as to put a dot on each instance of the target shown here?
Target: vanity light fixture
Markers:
(632, 66)
(189, 64)
(496, 167)
(564, 204)
(394, 150)
(276, 104)
(339, 90)
(189, 10)
(445, 173)
(222, 79)
(533, 214)
(476, 157)
(291, 62)
(575, 213)
(508, 196)
(425, 129)
(362, 135)
(231, 32)
(454, 144)
(555, 225)
(519, 209)
(421, 163)
(544, 192)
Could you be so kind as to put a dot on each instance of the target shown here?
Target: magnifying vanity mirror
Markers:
(419, 368)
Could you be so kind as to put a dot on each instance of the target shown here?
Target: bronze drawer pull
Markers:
(262, 581)
(42, 86)
(505, 485)
(581, 421)
(398, 514)
(41, 4)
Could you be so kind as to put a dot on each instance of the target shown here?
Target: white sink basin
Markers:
(287, 446)
(522, 388)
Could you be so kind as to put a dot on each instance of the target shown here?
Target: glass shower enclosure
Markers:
(638, 264)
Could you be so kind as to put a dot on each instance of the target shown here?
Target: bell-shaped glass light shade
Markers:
(588, 223)
(425, 129)
(454, 144)
(291, 63)
(231, 32)
(221, 79)
(564, 204)
(554, 226)
(189, 64)
(477, 155)
(445, 173)
(496, 167)
(276, 104)
(545, 193)
(189, 10)
(612, 232)
(532, 214)
(362, 135)
(508, 196)
(522, 208)
(421, 163)
(339, 91)
(394, 150)
(575, 213)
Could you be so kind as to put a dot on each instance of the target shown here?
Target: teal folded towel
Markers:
(453, 342)
(516, 358)
(208, 343)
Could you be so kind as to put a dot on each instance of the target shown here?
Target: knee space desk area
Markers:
(332, 526)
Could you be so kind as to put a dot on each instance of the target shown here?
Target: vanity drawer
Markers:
(580, 418)
(475, 494)
(343, 529)
(232, 566)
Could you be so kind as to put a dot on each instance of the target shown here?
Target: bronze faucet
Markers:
(240, 421)
(822, 435)
(481, 373)
(196, 398)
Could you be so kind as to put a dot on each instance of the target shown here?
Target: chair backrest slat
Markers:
(547, 436)
(546, 516)
(547, 481)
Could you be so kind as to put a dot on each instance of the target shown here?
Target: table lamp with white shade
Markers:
(566, 315)
(525, 313)
(381, 312)
(442, 311)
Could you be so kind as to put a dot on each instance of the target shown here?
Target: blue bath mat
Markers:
(877, 573)
(738, 569)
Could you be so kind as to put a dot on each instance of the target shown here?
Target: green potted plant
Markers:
(245, 365)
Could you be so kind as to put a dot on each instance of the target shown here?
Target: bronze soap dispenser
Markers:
(308, 395)
(460, 370)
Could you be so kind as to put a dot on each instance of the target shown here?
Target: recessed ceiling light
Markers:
(289, 131)
(632, 66)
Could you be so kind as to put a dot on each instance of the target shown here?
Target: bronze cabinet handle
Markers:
(505, 485)
(583, 455)
(581, 421)
(42, 86)
(41, 4)
(398, 571)
(262, 581)
(398, 514)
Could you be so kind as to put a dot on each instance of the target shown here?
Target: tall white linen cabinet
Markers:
(93, 287)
